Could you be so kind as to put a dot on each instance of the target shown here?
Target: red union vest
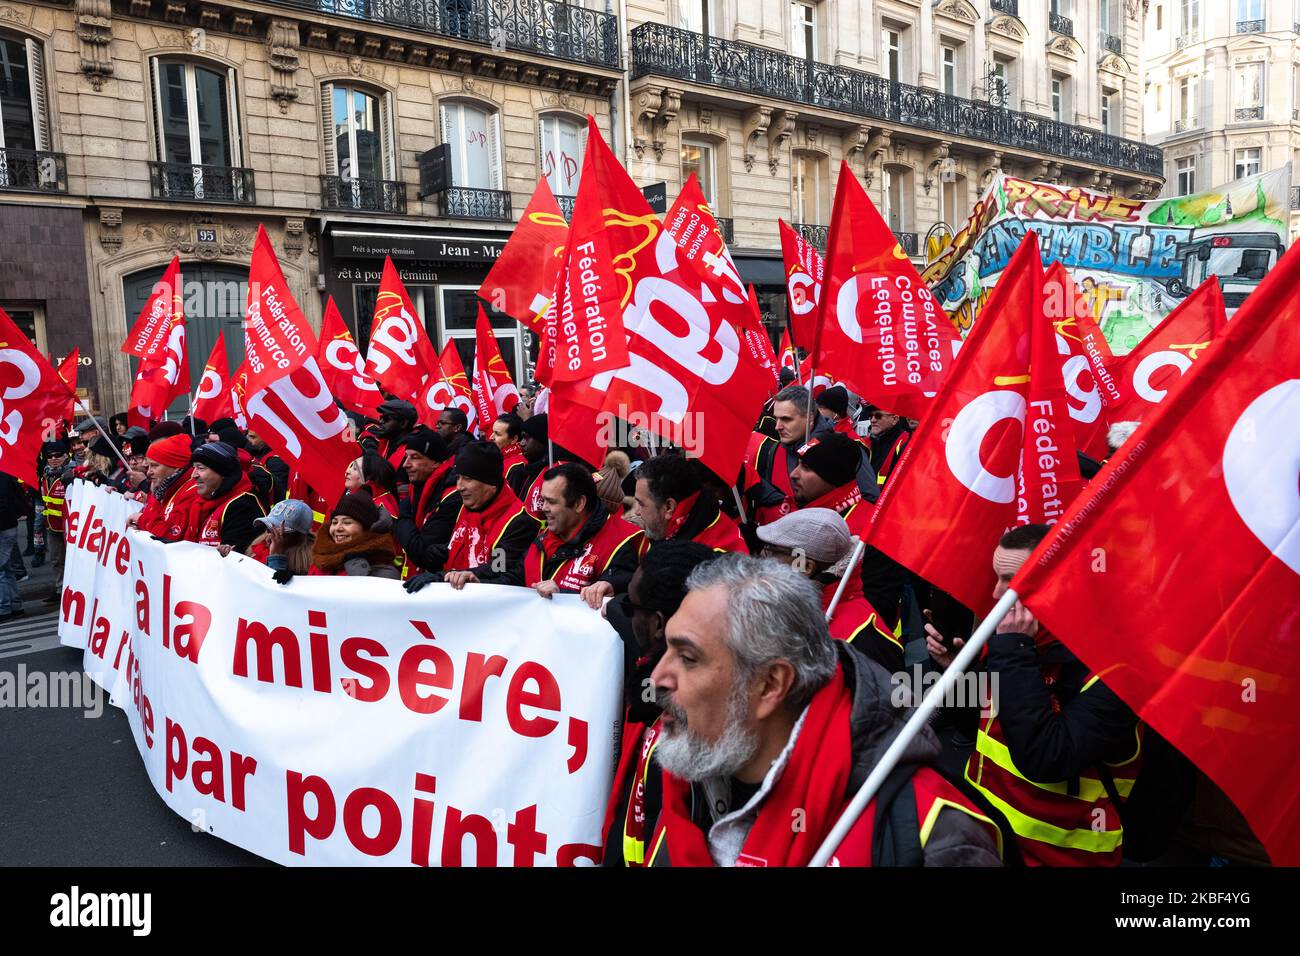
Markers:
(779, 477)
(634, 821)
(55, 508)
(477, 532)
(577, 572)
(1057, 823)
(855, 619)
(213, 516)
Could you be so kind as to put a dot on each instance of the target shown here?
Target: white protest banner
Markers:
(342, 721)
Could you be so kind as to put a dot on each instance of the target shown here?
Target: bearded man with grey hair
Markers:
(769, 728)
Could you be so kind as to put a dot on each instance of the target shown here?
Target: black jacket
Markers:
(237, 528)
(620, 569)
(11, 503)
(880, 446)
(821, 429)
(426, 546)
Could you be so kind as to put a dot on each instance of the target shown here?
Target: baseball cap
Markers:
(291, 514)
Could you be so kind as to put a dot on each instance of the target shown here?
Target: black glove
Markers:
(423, 578)
(283, 576)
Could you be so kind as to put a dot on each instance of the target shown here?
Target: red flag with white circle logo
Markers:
(400, 355)
(343, 367)
(32, 398)
(212, 401)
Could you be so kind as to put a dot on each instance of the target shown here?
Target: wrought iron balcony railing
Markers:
(1187, 39)
(209, 183)
(551, 28)
(1112, 43)
(28, 170)
(1245, 114)
(1005, 6)
(1295, 197)
(1186, 123)
(566, 205)
(461, 202)
(1059, 24)
(1250, 26)
(754, 70)
(728, 229)
(368, 195)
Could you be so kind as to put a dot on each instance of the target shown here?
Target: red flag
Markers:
(879, 329)
(343, 367)
(68, 375)
(494, 389)
(277, 338)
(522, 282)
(149, 335)
(804, 273)
(691, 225)
(448, 387)
(759, 342)
(789, 357)
(32, 398)
(212, 400)
(1176, 577)
(400, 355)
(955, 490)
(1153, 369)
(611, 233)
(577, 422)
(239, 394)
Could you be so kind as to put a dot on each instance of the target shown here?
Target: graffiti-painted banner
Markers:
(1133, 260)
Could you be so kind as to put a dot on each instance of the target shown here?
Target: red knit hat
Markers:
(172, 451)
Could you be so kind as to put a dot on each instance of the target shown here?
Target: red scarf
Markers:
(476, 532)
(814, 781)
(426, 505)
(684, 509)
(207, 512)
(839, 499)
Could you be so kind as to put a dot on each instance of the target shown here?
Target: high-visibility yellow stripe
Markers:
(634, 849)
(1090, 841)
(939, 805)
(52, 501)
(650, 861)
(318, 517)
(1091, 789)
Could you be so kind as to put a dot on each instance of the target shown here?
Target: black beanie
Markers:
(835, 458)
(55, 447)
(359, 506)
(481, 461)
(220, 424)
(836, 398)
(231, 436)
(535, 427)
(786, 376)
(427, 442)
(218, 456)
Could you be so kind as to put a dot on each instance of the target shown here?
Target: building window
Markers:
(1247, 162)
(803, 30)
(563, 142)
(474, 135)
(697, 16)
(1160, 16)
(1103, 16)
(892, 52)
(1106, 111)
(1061, 98)
(1187, 100)
(24, 122)
(956, 203)
(700, 158)
(810, 177)
(1186, 175)
(949, 55)
(1004, 75)
(197, 125)
(898, 198)
(1160, 90)
(1250, 10)
(1189, 18)
(1249, 92)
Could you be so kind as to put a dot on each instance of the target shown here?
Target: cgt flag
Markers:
(1193, 530)
(448, 387)
(213, 399)
(343, 367)
(804, 274)
(494, 389)
(32, 400)
(158, 340)
(68, 375)
(400, 355)
(1155, 367)
(522, 282)
(879, 330)
(277, 338)
(163, 312)
(997, 448)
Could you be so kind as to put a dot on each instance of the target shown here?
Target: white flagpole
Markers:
(920, 717)
(858, 550)
(94, 421)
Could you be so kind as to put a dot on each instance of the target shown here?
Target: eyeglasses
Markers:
(876, 416)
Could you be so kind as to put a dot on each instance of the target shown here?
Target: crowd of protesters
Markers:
(781, 651)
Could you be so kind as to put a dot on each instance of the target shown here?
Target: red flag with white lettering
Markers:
(32, 399)
(158, 339)
(277, 338)
(343, 367)
(1152, 370)
(955, 489)
(611, 230)
(400, 355)
(1176, 575)
(879, 329)
(494, 389)
(239, 394)
(68, 375)
(804, 273)
(447, 387)
(521, 283)
(148, 337)
(212, 400)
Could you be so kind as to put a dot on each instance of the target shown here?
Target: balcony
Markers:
(1059, 24)
(1185, 124)
(1112, 44)
(1005, 6)
(1247, 113)
(759, 71)
(566, 205)
(550, 28)
(34, 171)
(1250, 26)
(363, 195)
(461, 202)
(819, 236)
(728, 229)
(186, 181)
(1186, 40)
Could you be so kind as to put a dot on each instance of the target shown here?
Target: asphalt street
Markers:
(73, 790)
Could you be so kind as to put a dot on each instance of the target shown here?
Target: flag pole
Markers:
(95, 421)
(920, 717)
(858, 550)
(740, 505)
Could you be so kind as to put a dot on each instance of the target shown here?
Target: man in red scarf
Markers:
(226, 507)
(427, 502)
(583, 543)
(672, 502)
(492, 531)
(768, 721)
(506, 433)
